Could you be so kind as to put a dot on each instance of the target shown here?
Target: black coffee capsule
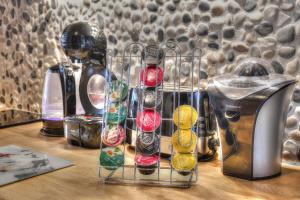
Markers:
(150, 98)
(147, 143)
(152, 54)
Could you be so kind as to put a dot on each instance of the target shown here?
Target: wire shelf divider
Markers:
(165, 175)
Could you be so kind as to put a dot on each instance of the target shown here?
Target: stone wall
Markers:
(227, 31)
(21, 54)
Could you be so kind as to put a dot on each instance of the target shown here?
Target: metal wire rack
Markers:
(175, 83)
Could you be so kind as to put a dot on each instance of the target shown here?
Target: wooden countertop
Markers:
(81, 181)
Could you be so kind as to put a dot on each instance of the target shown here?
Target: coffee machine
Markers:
(86, 43)
(58, 99)
(251, 105)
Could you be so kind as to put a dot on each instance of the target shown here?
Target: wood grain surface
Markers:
(81, 181)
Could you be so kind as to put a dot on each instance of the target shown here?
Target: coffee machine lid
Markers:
(84, 41)
(250, 76)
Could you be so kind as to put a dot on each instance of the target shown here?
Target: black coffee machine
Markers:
(86, 43)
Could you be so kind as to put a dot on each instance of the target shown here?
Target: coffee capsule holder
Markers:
(132, 59)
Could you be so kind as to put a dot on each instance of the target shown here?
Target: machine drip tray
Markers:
(17, 117)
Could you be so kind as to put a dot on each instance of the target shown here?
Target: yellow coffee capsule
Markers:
(185, 117)
(183, 161)
(184, 141)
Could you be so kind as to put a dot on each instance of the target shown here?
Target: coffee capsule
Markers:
(152, 54)
(150, 98)
(185, 117)
(148, 120)
(113, 136)
(118, 91)
(183, 163)
(111, 158)
(184, 141)
(116, 113)
(146, 164)
(147, 143)
(151, 76)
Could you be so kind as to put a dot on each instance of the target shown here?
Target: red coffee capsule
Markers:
(152, 76)
(148, 120)
(146, 164)
(146, 160)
